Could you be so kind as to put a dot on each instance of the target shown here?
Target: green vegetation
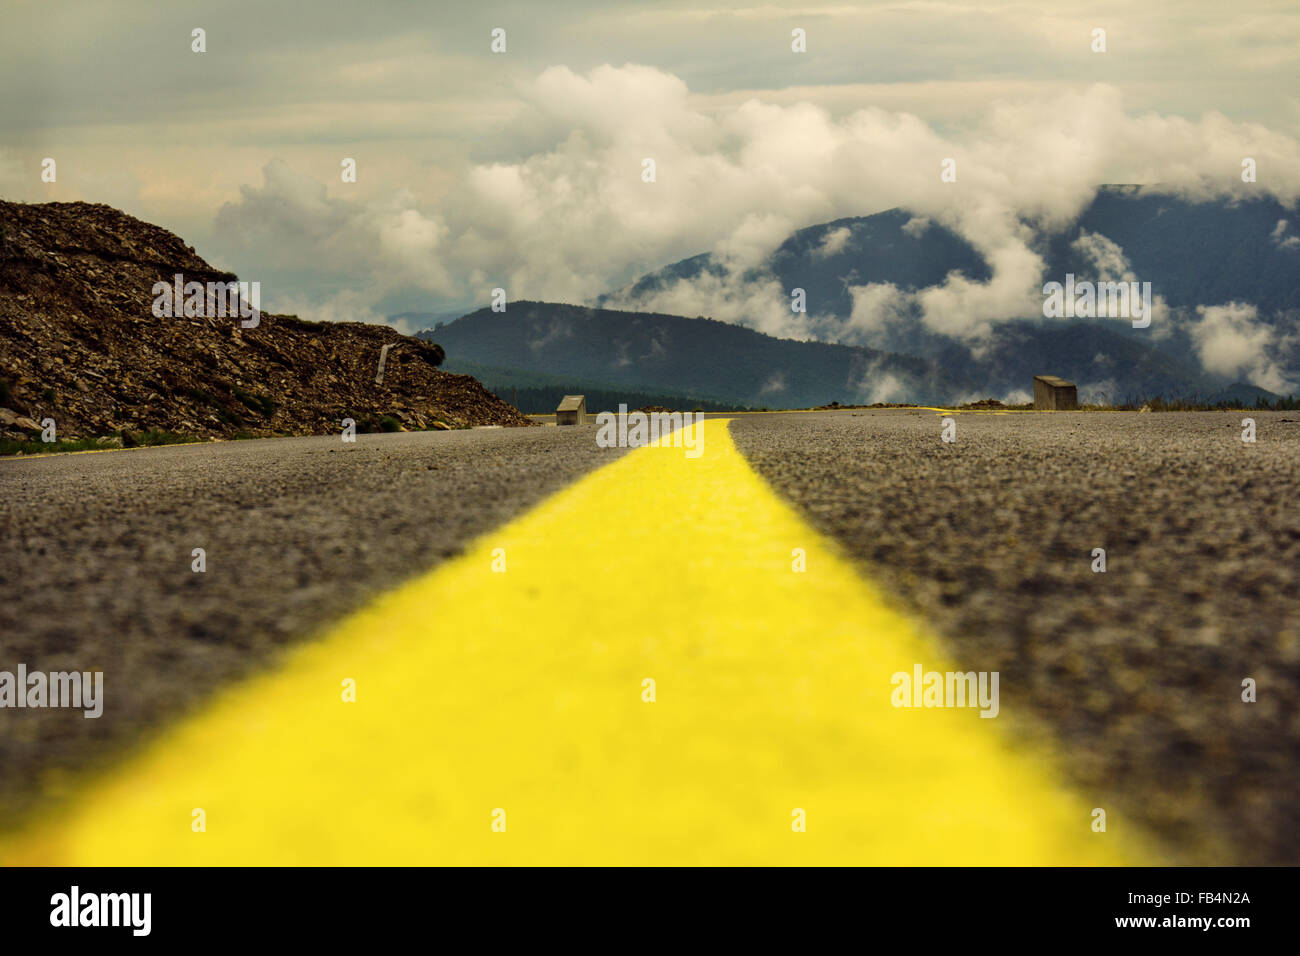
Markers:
(588, 362)
(38, 447)
(144, 439)
(262, 404)
(538, 394)
(366, 424)
(1261, 404)
(227, 414)
(151, 437)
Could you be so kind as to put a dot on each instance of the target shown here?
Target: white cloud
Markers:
(290, 223)
(884, 387)
(1022, 165)
(1279, 236)
(833, 242)
(347, 305)
(916, 226)
(567, 217)
(1106, 256)
(876, 308)
(1231, 341)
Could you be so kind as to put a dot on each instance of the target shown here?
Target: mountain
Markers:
(1192, 253)
(1109, 367)
(826, 259)
(80, 343)
(1195, 254)
(424, 320)
(538, 393)
(698, 357)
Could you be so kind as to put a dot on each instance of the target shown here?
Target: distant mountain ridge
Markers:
(536, 392)
(533, 344)
(878, 248)
(1194, 254)
(699, 357)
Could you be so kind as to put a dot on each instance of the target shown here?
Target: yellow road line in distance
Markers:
(517, 697)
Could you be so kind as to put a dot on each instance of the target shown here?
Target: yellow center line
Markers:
(517, 698)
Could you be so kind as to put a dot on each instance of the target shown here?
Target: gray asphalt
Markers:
(96, 565)
(1134, 674)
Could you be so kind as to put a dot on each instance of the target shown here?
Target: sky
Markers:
(523, 169)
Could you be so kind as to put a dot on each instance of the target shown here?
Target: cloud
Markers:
(571, 217)
(886, 387)
(966, 309)
(878, 308)
(1279, 236)
(1106, 256)
(560, 329)
(1109, 264)
(1231, 341)
(916, 227)
(371, 248)
(760, 302)
(833, 242)
(347, 305)
(1022, 168)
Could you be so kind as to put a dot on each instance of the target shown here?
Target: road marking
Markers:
(522, 691)
(985, 411)
(92, 451)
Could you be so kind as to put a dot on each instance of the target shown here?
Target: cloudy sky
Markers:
(523, 169)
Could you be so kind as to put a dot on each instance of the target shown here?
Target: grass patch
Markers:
(1158, 404)
(38, 447)
(144, 439)
(228, 417)
(369, 424)
(258, 403)
(150, 438)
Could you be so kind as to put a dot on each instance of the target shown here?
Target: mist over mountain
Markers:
(827, 260)
(1224, 274)
(687, 356)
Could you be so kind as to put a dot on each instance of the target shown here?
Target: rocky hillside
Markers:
(79, 343)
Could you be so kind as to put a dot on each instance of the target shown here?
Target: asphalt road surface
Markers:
(297, 532)
(1137, 671)
(1134, 675)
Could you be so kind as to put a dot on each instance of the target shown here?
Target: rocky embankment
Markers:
(80, 344)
